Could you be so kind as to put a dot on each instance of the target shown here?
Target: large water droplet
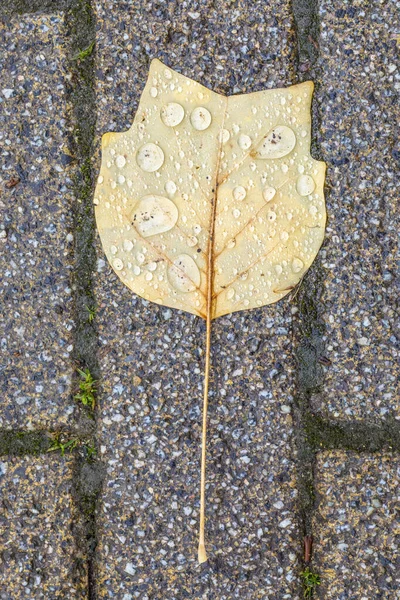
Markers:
(153, 215)
(150, 157)
(305, 185)
(172, 114)
(239, 192)
(277, 143)
(200, 118)
(268, 193)
(297, 265)
(184, 274)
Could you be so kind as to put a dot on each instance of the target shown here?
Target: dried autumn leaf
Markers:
(211, 204)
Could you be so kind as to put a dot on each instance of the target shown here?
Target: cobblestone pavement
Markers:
(101, 501)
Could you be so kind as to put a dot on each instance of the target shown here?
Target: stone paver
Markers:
(38, 526)
(152, 358)
(35, 226)
(357, 531)
(358, 104)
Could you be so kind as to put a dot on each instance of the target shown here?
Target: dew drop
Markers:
(101, 179)
(113, 249)
(150, 157)
(148, 276)
(140, 258)
(167, 74)
(271, 216)
(224, 136)
(152, 266)
(120, 161)
(284, 236)
(246, 302)
(170, 188)
(268, 193)
(236, 213)
(231, 244)
(297, 265)
(200, 118)
(172, 114)
(120, 179)
(192, 241)
(244, 141)
(197, 229)
(153, 92)
(305, 185)
(184, 274)
(239, 192)
(277, 143)
(118, 264)
(230, 293)
(127, 245)
(278, 269)
(136, 270)
(153, 215)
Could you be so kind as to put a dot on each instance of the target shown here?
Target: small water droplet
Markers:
(197, 229)
(313, 210)
(284, 236)
(120, 161)
(153, 92)
(148, 276)
(113, 249)
(167, 74)
(239, 192)
(284, 168)
(297, 265)
(268, 193)
(136, 270)
(246, 302)
(305, 185)
(127, 245)
(150, 157)
(153, 215)
(118, 264)
(200, 118)
(184, 274)
(101, 179)
(170, 188)
(192, 241)
(230, 293)
(172, 114)
(140, 258)
(277, 143)
(236, 213)
(278, 269)
(224, 136)
(231, 244)
(244, 141)
(120, 179)
(271, 216)
(152, 266)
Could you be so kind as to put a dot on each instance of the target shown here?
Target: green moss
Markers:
(22, 443)
(86, 52)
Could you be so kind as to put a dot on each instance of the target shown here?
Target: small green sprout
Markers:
(61, 445)
(85, 52)
(310, 582)
(90, 450)
(92, 313)
(87, 388)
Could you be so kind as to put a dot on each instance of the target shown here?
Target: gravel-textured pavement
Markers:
(303, 437)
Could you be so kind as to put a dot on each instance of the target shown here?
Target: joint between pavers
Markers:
(11, 8)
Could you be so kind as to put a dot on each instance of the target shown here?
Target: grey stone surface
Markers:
(40, 558)
(356, 526)
(152, 358)
(357, 95)
(35, 226)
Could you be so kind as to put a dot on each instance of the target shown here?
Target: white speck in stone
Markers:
(363, 341)
(7, 92)
(187, 510)
(286, 409)
(285, 523)
(245, 459)
(130, 569)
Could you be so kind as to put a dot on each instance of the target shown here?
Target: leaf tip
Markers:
(202, 554)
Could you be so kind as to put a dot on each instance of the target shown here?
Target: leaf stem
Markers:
(202, 555)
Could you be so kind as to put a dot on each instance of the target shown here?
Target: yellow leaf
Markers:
(211, 204)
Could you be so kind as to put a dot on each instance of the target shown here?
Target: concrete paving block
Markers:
(39, 526)
(357, 97)
(356, 526)
(35, 225)
(151, 358)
